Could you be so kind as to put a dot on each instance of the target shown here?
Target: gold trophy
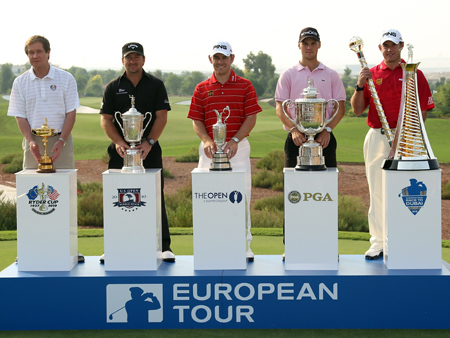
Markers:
(45, 163)
(412, 150)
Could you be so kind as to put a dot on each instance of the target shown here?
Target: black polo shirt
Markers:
(150, 96)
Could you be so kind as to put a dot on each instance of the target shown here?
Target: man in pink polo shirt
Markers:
(388, 81)
(290, 86)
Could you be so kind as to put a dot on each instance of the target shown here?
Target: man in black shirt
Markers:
(151, 96)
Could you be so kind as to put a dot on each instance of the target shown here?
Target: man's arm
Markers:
(232, 147)
(25, 129)
(107, 123)
(297, 136)
(155, 133)
(357, 101)
(209, 146)
(65, 132)
(324, 137)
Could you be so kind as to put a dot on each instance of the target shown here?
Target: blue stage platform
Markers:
(361, 294)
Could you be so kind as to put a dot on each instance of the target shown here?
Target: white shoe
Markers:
(102, 259)
(80, 258)
(374, 252)
(250, 255)
(168, 256)
(284, 256)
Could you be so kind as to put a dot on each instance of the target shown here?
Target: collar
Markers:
(300, 67)
(231, 79)
(384, 67)
(50, 75)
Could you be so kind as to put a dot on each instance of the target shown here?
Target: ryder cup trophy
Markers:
(411, 150)
(310, 119)
(220, 160)
(45, 163)
(132, 131)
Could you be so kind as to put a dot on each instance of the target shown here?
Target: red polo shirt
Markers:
(389, 84)
(237, 93)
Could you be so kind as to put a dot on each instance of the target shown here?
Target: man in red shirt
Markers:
(224, 88)
(388, 81)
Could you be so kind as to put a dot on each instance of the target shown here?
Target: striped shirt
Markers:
(237, 93)
(51, 97)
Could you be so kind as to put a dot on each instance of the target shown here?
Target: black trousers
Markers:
(152, 161)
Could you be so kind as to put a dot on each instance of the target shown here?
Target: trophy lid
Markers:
(44, 129)
(310, 94)
(132, 112)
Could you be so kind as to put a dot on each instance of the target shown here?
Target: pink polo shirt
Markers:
(294, 80)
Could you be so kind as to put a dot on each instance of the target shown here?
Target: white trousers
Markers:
(376, 149)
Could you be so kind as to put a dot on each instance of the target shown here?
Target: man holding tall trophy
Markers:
(225, 96)
(137, 91)
(387, 80)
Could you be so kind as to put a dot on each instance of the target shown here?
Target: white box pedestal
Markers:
(311, 219)
(412, 232)
(47, 220)
(132, 220)
(219, 214)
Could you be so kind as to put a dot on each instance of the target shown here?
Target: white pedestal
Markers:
(132, 220)
(47, 220)
(219, 214)
(311, 219)
(412, 232)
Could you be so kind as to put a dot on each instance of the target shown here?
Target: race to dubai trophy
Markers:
(310, 119)
(412, 149)
(45, 163)
(220, 161)
(132, 132)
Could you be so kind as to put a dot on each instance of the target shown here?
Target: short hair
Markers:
(37, 38)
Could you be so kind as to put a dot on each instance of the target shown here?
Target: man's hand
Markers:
(145, 149)
(298, 137)
(56, 150)
(121, 148)
(323, 139)
(209, 148)
(364, 75)
(34, 149)
(231, 148)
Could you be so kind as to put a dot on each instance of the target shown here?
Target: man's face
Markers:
(133, 63)
(309, 48)
(37, 55)
(221, 63)
(391, 51)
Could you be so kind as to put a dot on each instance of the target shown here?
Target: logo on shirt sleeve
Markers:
(430, 100)
(210, 93)
(379, 82)
(53, 87)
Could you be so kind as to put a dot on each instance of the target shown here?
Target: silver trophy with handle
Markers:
(220, 160)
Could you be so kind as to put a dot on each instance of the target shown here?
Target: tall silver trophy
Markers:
(411, 150)
(133, 130)
(220, 160)
(310, 119)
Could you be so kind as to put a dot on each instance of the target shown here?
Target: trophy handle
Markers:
(151, 116)
(229, 113)
(290, 104)
(332, 117)
(115, 116)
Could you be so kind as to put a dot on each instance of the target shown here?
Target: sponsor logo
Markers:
(310, 32)
(390, 34)
(53, 87)
(379, 81)
(129, 199)
(430, 100)
(133, 46)
(224, 47)
(414, 196)
(134, 303)
(294, 197)
(235, 197)
(210, 93)
(43, 200)
(219, 197)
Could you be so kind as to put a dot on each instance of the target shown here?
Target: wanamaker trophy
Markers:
(133, 130)
(45, 163)
(220, 160)
(310, 119)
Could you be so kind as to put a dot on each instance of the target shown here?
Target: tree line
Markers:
(258, 68)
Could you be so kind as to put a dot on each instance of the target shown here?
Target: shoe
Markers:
(250, 255)
(168, 256)
(374, 252)
(284, 256)
(80, 258)
(102, 259)
(17, 260)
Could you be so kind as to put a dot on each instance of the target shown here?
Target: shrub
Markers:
(179, 208)
(352, 214)
(268, 180)
(266, 218)
(8, 212)
(191, 156)
(167, 173)
(13, 163)
(270, 203)
(274, 160)
(90, 204)
(446, 190)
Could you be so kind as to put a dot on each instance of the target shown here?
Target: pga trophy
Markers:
(220, 160)
(411, 150)
(45, 163)
(310, 119)
(132, 131)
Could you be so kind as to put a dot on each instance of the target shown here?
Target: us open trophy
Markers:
(412, 150)
(132, 131)
(220, 160)
(45, 163)
(310, 119)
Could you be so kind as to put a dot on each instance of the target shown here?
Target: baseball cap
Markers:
(132, 47)
(391, 35)
(222, 47)
(309, 32)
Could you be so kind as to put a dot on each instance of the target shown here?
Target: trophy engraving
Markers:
(133, 130)
(412, 150)
(45, 163)
(310, 119)
(220, 160)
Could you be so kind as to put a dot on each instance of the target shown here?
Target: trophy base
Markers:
(310, 157)
(426, 164)
(45, 165)
(220, 162)
(308, 167)
(45, 171)
(132, 162)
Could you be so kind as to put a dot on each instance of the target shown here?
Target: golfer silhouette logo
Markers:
(414, 196)
(235, 197)
(143, 307)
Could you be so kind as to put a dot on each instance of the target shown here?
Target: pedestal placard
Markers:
(219, 214)
(311, 219)
(412, 213)
(47, 220)
(132, 220)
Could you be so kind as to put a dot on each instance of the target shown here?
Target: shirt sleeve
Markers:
(425, 96)
(162, 100)
(339, 93)
(107, 106)
(283, 87)
(196, 109)
(16, 101)
(251, 105)
(71, 97)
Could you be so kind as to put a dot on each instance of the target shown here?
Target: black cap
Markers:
(309, 32)
(132, 47)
